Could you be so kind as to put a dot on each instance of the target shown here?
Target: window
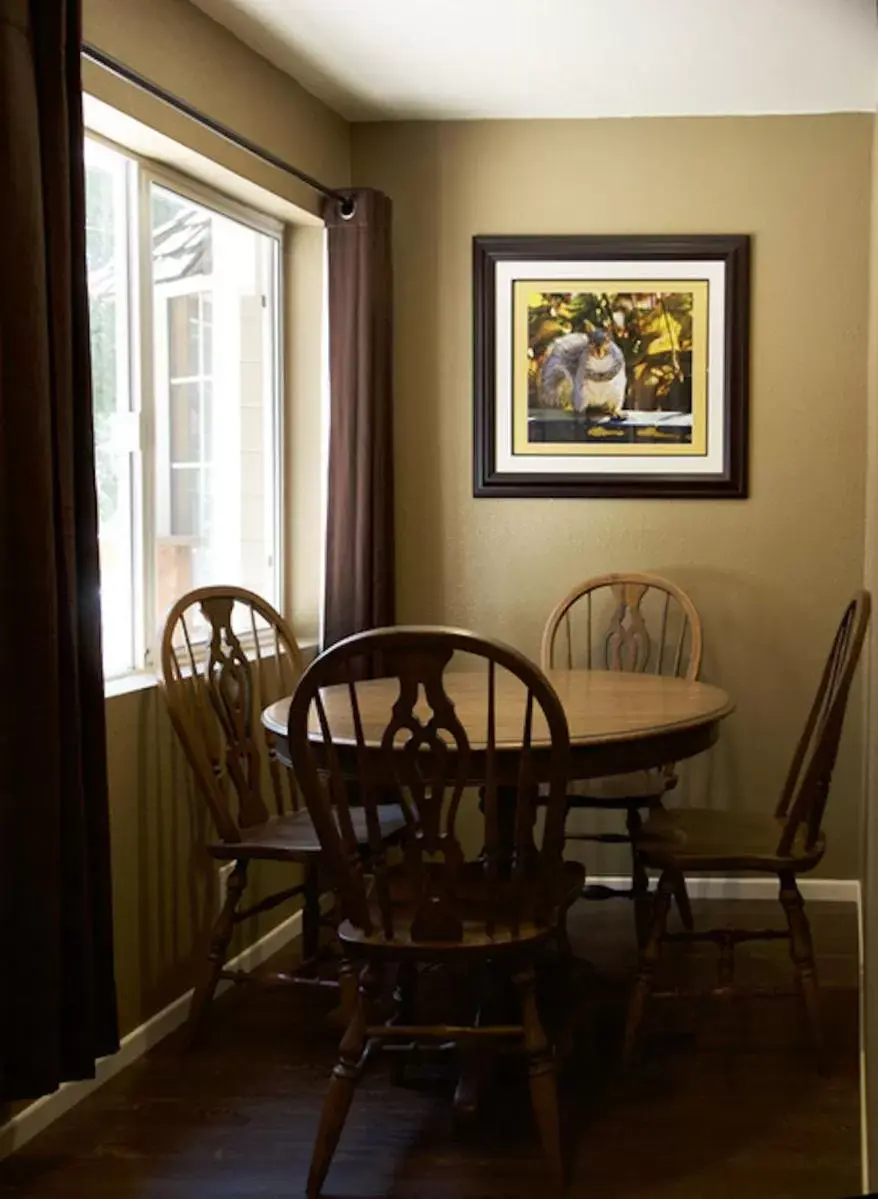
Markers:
(183, 293)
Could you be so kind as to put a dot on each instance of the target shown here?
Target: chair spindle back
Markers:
(225, 655)
(425, 752)
(806, 791)
(629, 622)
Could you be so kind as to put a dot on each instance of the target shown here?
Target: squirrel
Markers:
(584, 371)
(559, 369)
(600, 379)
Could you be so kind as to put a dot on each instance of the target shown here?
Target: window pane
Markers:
(215, 311)
(184, 336)
(206, 332)
(190, 416)
(107, 255)
(186, 498)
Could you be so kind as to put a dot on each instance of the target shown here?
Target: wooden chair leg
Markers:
(404, 1012)
(681, 896)
(311, 912)
(220, 936)
(476, 1056)
(337, 1103)
(565, 949)
(649, 959)
(542, 1075)
(802, 953)
(217, 949)
(405, 993)
(348, 997)
(639, 879)
(474, 1065)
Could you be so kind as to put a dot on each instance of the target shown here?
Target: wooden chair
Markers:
(630, 622)
(786, 843)
(225, 655)
(435, 906)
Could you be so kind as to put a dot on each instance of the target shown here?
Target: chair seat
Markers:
(472, 905)
(292, 837)
(640, 788)
(703, 839)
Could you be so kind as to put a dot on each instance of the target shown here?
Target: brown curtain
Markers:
(57, 992)
(359, 583)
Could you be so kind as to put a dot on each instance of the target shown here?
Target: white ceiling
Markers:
(391, 59)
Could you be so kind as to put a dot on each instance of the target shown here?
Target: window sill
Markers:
(144, 680)
(124, 684)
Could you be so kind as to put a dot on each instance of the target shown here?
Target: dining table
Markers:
(619, 722)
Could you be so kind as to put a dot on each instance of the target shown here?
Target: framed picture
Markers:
(611, 366)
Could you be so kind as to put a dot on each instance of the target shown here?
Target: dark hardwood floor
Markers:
(716, 1107)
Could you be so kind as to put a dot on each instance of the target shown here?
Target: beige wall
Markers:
(164, 889)
(164, 884)
(304, 259)
(771, 574)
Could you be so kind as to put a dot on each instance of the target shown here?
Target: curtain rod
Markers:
(243, 143)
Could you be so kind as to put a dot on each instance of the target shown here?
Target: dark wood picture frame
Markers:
(731, 482)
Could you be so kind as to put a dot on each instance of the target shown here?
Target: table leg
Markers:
(507, 798)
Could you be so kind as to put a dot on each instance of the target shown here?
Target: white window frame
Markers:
(145, 618)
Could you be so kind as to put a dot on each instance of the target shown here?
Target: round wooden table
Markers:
(618, 722)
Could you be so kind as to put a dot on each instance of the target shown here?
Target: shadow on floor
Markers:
(714, 1107)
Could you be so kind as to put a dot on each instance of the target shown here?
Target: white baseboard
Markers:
(823, 890)
(40, 1114)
